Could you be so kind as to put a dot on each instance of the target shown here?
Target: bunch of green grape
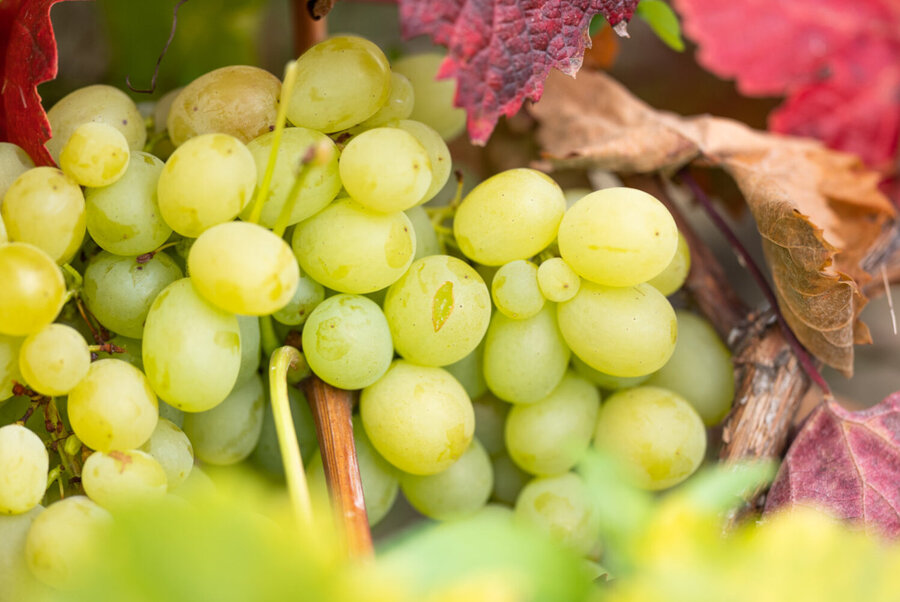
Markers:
(141, 291)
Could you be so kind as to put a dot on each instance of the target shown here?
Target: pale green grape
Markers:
(243, 268)
(18, 582)
(9, 364)
(119, 479)
(96, 154)
(434, 97)
(250, 348)
(459, 491)
(113, 407)
(469, 371)
(618, 237)
(340, 82)
(228, 433)
(124, 218)
(438, 155)
(551, 436)
(438, 311)
(45, 207)
(427, 242)
(347, 342)
(418, 418)
(515, 290)
(173, 415)
(173, 450)
(307, 297)
(699, 370)
(524, 360)
(23, 469)
(321, 183)
(655, 433)
(562, 507)
(33, 289)
(351, 249)
(509, 479)
(267, 454)
(119, 291)
(385, 169)
(620, 331)
(13, 163)
(512, 215)
(398, 105)
(191, 349)
(208, 180)
(673, 275)
(490, 422)
(558, 282)
(54, 359)
(603, 380)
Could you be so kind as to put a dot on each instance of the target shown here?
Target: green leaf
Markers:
(597, 23)
(662, 19)
(442, 305)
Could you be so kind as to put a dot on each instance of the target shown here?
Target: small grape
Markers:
(562, 507)
(23, 469)
(120, 479)
(673, 276)
(433, 97)
(14, 161)
(515, 290)
(96, 154)
(398, 105)
(54, 359)
(173, 450)
(558, 282)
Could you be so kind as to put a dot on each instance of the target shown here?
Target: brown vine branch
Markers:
(308, 23)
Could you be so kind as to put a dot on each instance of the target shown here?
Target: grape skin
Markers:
(23, 469)
(34, 289)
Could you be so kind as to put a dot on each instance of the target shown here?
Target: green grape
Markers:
(524, 360)
(427, 242)
(208, 180)
(119, 291)
(113, 407)
(509, 479)
(512, 215)
(603, 380)
(434, 97)
(551, 436)
(438, 155)
(250, 348)
(655, 433)
(120, 479)
(9, 364)
(191, 349)
(558, 282)
(459, 491)
(307, 297)
(418, 418)
(618, 237)
(172, 449)
(23, 469)
(4, 237)
(229, 432)
(490, 423)
(124, 218)
(100, 103)
(515, 290)
(238, 100)
(54, 359)
(562, 507)
(673, 275)
(438, 311)
(96, 154)
(385, 169)
(398, 105)
(469, 371)
(620, 331)
(267, 454)
(321, 183)
(243, 268)
(173, 415)
(13, 163)
(351, 249)
(18, 582)
(162, 108)
(699, 370)
(340, 82)
(347, 342)
(33, 289)
(45, 207)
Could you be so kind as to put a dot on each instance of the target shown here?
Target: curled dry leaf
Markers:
(819, 211)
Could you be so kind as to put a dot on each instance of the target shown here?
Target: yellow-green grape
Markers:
(551, 436)
(673, 276)
(120, 479)
(509, 479)
(96, 154)
(524, 360)
(700, 369)
(434, 97)
(100, 103)
(438, 155)
(515, 290)
(307, 297)
(113, 407)
(385, 169)
(469, 371)
(33, 289)
(18, 582)
(340, 82)
(162, 108)
(618, 237)
(250, 342)
(173, 450)
(124, 218)
(512, 215)
(64, 541)
(427, 242)
(243, 268)
(459, 491)
(45, 208)
(655, 433)
(14, 161)
(603, 380)
(490, 422)
(208, 180)
(238, 100)
(558, 282)
(23, 469)
(54, 359)
(351, 249)
(620, 331)
(438, 311)
(399, 104)
(418, 418)
(191, 349)
(562, 507)
(9, 364)
(4, 237)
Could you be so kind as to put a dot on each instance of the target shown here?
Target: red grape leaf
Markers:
(837, 62)
(27, 58)
(501, 51)
(847, 463)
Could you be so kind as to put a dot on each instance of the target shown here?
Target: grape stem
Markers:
(268, 337)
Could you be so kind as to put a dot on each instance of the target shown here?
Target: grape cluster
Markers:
(480, 350)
